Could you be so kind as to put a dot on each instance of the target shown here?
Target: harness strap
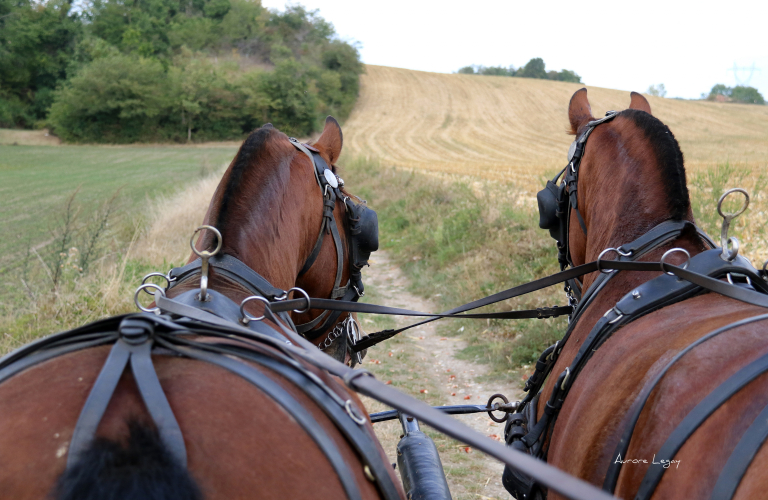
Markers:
(695, 418)
(612, 476)
(363, 382)
(357, 435)
(648, 297)
(233, 269)
(741, 458)
(282, 398)
(134, 345)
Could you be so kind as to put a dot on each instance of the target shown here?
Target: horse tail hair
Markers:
(144, 469)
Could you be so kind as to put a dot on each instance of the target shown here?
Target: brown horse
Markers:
(240, 443)
(630, 180)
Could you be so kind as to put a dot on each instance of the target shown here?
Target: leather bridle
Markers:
(361, 238)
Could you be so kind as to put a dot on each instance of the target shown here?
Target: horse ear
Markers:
(331, 139)
(639, 102)
(579, 111)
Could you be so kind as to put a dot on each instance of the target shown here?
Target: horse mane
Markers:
(255, 142)
(669, 158)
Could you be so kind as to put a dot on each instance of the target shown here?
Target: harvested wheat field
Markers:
(505, 128)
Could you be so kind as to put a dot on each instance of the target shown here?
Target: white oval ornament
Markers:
(331, 178)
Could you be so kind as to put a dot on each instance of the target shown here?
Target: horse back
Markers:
(597, 410)
(240, 443)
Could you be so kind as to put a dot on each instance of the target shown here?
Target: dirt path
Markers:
(423, 363)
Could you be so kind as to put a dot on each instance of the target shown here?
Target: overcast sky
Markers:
(687, 45)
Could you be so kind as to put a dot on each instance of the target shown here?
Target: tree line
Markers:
(740, 93)
(535, 68)
(170, 70)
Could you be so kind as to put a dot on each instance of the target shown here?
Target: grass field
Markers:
(37, 182)
(514, 129)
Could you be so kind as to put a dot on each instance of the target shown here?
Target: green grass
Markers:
(462, 240)
(459, 240)
(37, 182)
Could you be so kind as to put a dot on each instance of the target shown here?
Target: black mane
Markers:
(252, 145)
(669, 158)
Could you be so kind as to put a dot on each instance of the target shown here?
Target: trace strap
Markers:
(364, 382)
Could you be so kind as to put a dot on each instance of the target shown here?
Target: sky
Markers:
(688, 46)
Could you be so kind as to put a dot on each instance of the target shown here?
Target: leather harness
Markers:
(180, 331)
(525, 432)
(362, 240)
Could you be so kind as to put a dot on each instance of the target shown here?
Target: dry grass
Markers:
(172, 222)
(514, 129)
(28, 138)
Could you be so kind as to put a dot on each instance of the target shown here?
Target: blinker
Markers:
(548, 199)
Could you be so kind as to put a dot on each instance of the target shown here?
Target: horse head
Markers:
(624, 180)
(284, 213)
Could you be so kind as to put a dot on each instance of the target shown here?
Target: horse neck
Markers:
(623, 197)
(277, 224)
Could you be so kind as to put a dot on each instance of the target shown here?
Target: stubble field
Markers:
(514, 129)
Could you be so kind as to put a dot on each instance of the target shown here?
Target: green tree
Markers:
(747, 95)
(291, 108)
(496, 71)
(533, 69)
(467, 70)
(37, 41)
(118, 99)
(719, 90)
(564, 75)
(657, 90)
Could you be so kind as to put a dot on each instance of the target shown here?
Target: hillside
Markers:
(515, 128)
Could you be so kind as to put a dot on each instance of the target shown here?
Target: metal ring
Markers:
(765, 270)
(628, 254)
(144, 287)
(306, 296)
(671, 251)
(730, 253)
(725, 195)
(567, 375)
(601, 256)
(247, 318)
(490, 405)
(354, 413)
(145, 278)
(206, 253)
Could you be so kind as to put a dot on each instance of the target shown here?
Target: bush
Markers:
(36, 41)
(740, 93)
(119, 99)
(144, 70)
(747, 95)
(534, 68)
(657, 90)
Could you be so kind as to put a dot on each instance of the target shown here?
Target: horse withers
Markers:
(658, 389)
(212, 433)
